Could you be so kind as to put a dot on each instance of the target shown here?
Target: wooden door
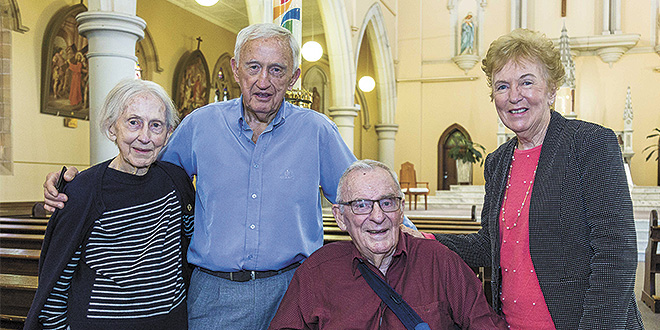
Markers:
(448, 171)
(447, 175)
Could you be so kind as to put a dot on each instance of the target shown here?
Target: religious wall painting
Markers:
(191, 83)
(223, 84)
(64, 66)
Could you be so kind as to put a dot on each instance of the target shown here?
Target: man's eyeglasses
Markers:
(365, 206)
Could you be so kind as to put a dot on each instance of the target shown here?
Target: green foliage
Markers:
(653, 147)
(465, 150)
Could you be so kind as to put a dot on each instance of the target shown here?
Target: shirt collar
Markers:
(401, 250)
(279, 119)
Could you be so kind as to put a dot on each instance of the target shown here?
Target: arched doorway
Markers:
(447, 166)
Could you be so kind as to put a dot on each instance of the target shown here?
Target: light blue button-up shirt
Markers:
(258, 205)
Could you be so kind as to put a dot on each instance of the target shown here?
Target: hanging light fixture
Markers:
(312, 50)
(367, 84)
(207, 3)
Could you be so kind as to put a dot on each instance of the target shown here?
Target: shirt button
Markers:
(506, 269)
(514, 270)
(517, 242)
(256, 165)
(531, 271)
(504, 241)
(533, 304)
(254, 196)
(250, 257)
(252, 226)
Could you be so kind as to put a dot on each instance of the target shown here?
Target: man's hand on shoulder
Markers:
(52, 198)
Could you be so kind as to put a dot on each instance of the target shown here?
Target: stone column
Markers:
(386, 133)
(112, 36)
(344, 118)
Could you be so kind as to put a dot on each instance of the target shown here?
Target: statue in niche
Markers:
(316, 99)
(467, 35)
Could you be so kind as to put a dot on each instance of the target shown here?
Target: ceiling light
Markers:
(207, 3)
(366, 84)
(312, 51)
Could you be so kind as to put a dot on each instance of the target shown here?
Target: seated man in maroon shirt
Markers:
(329, 292)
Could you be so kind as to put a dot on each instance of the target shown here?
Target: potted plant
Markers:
(466, 153)
(653, 147)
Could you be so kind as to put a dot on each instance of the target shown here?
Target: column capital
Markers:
(90, 21)
(343, 111)
(384, 128)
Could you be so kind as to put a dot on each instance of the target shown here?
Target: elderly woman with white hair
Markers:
(115, 256)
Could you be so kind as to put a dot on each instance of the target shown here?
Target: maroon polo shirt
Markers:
(328, 291)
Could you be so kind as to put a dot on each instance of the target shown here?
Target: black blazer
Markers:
(581, 231)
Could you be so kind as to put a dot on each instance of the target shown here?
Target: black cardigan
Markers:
(75, 219)
(581, 227)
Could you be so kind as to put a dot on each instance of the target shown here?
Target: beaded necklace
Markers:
(506, 194)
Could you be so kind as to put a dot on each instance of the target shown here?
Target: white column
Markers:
(606, 17)
(617, 17)
(386, 133)
(344, 118)
(112, 36)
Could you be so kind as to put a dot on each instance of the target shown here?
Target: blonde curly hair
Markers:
(524, 45)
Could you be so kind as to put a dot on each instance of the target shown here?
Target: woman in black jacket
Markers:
(115, 256)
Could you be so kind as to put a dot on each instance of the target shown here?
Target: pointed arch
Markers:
(338, 41)
(13, 14)
(446, 165)
(222, 78)
(145, 50)
(373, 27)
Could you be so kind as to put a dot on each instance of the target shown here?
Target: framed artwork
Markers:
(191, 83)
(64, 67)
(224, 85)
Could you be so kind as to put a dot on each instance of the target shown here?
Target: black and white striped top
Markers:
(129, 268)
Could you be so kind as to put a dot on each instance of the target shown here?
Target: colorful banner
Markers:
(287, 13)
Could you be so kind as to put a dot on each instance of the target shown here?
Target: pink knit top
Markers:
(522, 300)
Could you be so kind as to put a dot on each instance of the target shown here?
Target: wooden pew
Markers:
(21, 241)
(30, 209)
(19, 261)
(17, 292)
(652, 265)
(16, 208)
(22, 229)
(23, 221)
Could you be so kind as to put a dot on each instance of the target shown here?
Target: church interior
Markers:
(424, 57)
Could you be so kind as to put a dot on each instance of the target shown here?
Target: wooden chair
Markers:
(411, 187)
(652, 265)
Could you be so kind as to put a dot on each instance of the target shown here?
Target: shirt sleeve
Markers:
(336, 157)
(179, 148)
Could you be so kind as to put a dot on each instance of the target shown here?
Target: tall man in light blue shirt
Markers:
(259, 162)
